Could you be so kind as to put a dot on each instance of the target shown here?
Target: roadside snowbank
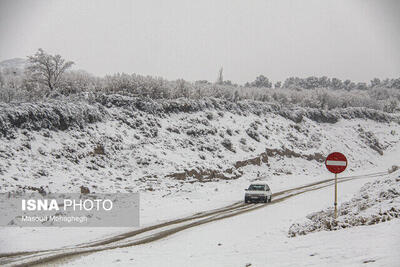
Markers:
(376, 202)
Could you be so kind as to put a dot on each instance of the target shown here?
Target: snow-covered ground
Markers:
(199, 197)
(376, 202)
(260, 238)
(133, 158)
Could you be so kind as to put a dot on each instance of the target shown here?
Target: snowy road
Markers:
(157, 232)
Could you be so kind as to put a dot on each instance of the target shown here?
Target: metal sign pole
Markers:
(335, 196)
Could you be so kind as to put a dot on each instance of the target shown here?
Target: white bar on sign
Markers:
(336, 163)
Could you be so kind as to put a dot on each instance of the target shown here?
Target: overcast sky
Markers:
(348, 39)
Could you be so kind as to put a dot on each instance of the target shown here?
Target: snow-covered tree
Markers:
(375, 82)
(396, 83)
(261, 81)
(361, 86)
(77, 81)
(311, 82)
(324, 82)
(47, 69)
(336, 83)
(182, 88)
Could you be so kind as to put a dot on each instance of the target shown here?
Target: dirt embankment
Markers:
(205, 175)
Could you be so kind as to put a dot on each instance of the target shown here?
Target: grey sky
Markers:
(355, 39)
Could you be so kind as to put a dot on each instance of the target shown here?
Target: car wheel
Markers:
(266, 199)
(270, 198)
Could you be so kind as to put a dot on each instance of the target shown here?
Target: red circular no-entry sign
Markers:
(336, 162)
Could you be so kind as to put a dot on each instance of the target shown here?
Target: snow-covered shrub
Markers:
(173, 130)
(54, 115)
(201, 131)
(294, 113)
(228, 144)
(62, 114)
(252, 131)
(376, 202)
(210, 116)
(370, 139)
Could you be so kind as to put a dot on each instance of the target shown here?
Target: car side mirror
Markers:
(246, 189)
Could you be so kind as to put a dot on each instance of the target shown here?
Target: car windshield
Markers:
(257, 187)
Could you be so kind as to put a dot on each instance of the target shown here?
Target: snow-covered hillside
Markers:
(128, 144)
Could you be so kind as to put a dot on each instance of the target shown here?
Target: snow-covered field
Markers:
(184, 163)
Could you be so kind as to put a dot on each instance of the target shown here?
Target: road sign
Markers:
(336, 162)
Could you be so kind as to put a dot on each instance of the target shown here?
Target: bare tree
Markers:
(47, 69)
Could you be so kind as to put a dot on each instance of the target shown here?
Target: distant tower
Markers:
(220, 79)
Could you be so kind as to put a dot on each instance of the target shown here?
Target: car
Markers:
(258, 192)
